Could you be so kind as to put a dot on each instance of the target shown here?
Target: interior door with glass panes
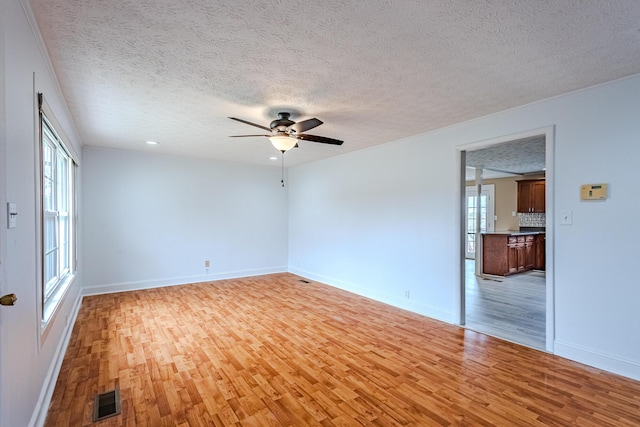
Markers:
(486, 211)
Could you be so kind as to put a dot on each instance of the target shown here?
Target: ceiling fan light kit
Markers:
(283, 142)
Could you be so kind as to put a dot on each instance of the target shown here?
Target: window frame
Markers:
(54, 286)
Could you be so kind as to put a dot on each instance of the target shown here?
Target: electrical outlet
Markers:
(406, 294)
(207, 264)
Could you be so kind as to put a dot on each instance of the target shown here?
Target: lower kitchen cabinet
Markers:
(529, 252)
(540, 247)
(513, 253)
(504, 254)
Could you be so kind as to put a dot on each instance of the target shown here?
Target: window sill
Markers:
(50, 308)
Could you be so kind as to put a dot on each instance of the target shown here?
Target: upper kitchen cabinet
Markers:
(531, 196)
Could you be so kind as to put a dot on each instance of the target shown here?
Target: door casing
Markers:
(549, 133)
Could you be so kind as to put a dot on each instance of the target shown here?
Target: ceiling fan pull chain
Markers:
(282, 178)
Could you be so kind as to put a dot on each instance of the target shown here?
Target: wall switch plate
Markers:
(12, 213)
(566, 218)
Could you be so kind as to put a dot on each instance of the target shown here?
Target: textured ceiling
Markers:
(374, 71)
(520, 157)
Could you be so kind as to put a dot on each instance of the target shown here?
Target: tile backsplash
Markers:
(532, 220)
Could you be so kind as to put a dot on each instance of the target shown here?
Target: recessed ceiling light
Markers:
(152, 143)
(273, 158)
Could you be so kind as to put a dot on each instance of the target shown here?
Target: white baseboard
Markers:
(404, 304)
(599, 360)
(44, 400)
(109, 288)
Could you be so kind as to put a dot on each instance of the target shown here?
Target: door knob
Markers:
(8, 299)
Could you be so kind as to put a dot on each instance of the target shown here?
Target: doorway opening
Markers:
(505, 290)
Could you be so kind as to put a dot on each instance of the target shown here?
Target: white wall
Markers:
(28, 365)
(153, 220)
(385, 220)
(376, 224)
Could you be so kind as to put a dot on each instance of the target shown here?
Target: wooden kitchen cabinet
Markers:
(512, 260)
(504, 254)
(496, 257)
(529, 252)
(531, 196)
(516, 254)
(540, 248)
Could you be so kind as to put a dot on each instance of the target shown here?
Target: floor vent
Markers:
(106, 405)
(304, 281)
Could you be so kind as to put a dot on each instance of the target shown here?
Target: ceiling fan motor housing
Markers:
(282, 123)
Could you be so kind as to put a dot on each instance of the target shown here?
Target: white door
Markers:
(485, 208)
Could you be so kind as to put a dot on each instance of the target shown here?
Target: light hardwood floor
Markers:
(273, 351)
(512, 307)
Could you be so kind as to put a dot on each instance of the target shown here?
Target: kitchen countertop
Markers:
(514, 233)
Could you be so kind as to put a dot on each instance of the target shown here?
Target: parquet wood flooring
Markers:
(273, 351)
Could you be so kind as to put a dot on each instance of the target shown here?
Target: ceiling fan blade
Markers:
(251, 124)
(321, 139)
(245, 136)
(305, 125)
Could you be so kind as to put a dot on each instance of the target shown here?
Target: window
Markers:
(486, 210)
(58, 209)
